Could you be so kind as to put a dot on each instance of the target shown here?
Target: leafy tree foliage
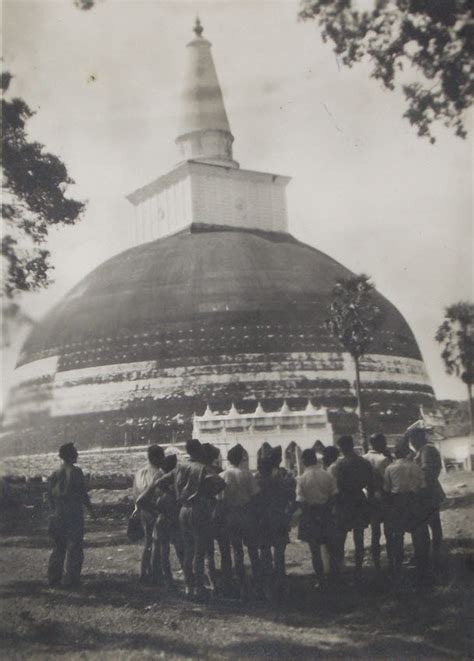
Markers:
(354, 319)
(456, 336)
(434, 37)
(34, 185)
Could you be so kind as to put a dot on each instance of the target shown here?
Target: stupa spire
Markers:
(204, 131)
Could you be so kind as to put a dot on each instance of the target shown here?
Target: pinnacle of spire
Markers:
(204, 131)
(198, 29)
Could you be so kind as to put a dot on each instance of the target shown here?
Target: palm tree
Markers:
(354, 318)
(456, 336)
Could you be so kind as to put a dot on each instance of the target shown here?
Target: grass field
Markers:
(112, 617)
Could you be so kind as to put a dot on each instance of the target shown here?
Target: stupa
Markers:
(217, 305)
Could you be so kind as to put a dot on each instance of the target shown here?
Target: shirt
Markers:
(429, 460)
(144, 478)
(379, 463)
(403, 476)
(353, 474)
(315, 486)
(67, 490)
(240, 486)
(191, 479)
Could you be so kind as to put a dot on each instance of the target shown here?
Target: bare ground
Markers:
(112, 617)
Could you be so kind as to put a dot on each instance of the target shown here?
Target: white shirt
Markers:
(144, 478)
(403, 476)
(377, 460)
(316, 486)
(240, 486)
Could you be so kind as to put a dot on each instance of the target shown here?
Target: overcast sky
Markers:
(365, 189)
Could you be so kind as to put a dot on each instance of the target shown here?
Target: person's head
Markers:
(319, 446)
(68, 453)
(418, 438)
(346, 444)
(170, 462)
(265, 466)
(308, 457)
(194, 449)
(209, 453)
(378, 443)
(156, 455)
(402, 449)
(276, 456)
(236, 455)
(330, 455)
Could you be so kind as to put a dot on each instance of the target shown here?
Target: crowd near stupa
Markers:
(210, 334)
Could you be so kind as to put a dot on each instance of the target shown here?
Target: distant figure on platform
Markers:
(379, 458)
(193, 481)
(240, 524)
(315, 493)
(353, 475)
(429, 460)
(404, 483)
(67, 496)
(145, 479)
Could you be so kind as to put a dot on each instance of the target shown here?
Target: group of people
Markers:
(194, 505)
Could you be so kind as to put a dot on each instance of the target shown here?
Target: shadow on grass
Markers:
(55, 636)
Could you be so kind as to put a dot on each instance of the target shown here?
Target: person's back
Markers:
(240, 487)
(315, 492)
(67, 495)
(429, 460)
(354, 474)
(403, 476)
(379, 462)
(404, 483)
(67, 491)
(145, 492)
(315, 486)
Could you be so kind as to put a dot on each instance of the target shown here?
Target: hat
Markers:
(210, 452)
(193, 447)
(236, 454)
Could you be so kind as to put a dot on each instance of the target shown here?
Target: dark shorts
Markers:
(316, 524)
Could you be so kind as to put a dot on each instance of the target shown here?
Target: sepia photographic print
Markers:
(237, 330)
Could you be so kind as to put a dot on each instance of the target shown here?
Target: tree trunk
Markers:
(359, 402)
(471, 407)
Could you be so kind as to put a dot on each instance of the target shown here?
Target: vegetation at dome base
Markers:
(456, 336)
(34, 186)
(432, 38)
(353, 319)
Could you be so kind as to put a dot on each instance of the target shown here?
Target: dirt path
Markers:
(114, 618)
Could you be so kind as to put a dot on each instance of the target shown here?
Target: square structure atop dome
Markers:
(205, 194)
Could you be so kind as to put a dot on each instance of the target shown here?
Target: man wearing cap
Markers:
(429, 460)
(379, 458)
(193, 481)
(67, 495)
(239, 520)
